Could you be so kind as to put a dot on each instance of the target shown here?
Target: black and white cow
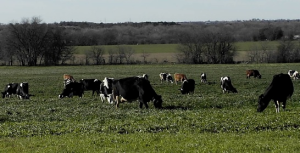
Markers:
(226, 85)
(10, 89)
(23, 91)
(91, 84)
(187, 86)
(71, 89)
(165, 77)
(280, 89)
(134, 88)
(293, 74)
(203, 77)
(106, 90)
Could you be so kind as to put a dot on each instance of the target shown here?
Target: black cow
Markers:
(280, 89)
(23, 91)
(203, 77)
(187, 86)
(134, 88)
(91, 84)
(254, 73)
(10, 89)
(226, 85)
(73, 88)
(106, 90)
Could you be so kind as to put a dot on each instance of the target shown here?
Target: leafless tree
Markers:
(144, 56)
(96, 53)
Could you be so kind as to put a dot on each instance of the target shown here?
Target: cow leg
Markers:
(117, 101)
(276, 105)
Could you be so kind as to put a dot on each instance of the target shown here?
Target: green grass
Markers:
(207, 121)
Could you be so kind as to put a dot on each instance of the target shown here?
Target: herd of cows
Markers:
(139, 88)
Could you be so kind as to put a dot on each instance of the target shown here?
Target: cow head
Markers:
(262, 103)
(157, 101)
(169, 78)
(108, 82)
(184, 87)
(259, 76)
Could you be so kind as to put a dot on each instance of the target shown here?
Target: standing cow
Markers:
(253, 73)
(179, 77)
(226, 85)
(106, 90)
(23, 90)
(187, 86)
(280, 89)
(165, 77)
(134, 88)
(91, 84)
(203, 77)
(293, 74)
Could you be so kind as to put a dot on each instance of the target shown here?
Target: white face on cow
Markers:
(106, 80)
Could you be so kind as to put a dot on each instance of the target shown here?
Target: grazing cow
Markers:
(91, 84)
(144, 76)
(165, 77)
(23, 91)
(68, 78)
(187, 86)
(73, 88)
(134, 88)
(226, 85)
(280, 89)
(203, 77)
(253, 73)
(293, 74)
(10, 89)
(179, 77)
(106, 90)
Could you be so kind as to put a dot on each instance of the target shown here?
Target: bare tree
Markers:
(96, 53)
(144, 56)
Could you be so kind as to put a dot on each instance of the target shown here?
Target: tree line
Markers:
(32, 42)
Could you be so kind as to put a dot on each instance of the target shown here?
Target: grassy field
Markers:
(166, 52)
(207, 121)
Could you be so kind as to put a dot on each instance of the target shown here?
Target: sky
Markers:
(116, 11)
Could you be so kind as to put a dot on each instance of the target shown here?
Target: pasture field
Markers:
(207, 121)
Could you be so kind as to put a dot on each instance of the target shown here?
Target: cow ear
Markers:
(261, 96)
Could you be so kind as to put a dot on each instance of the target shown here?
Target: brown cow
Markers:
(68, 78)
(179, 77)
(253, 73)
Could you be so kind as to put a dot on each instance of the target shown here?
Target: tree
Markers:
(96, 53)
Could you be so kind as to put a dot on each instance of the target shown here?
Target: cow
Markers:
(226, 85)
(91, 84)
(293, 74)
(280, 89)
(165, 77)
(10, 89)
(203, 77)
(144, 76)
(106, 90)
(23, 91)
(134, 88)
(187, 86)
(71, 89)
(179, 77)
(68, 78)
(253, 73)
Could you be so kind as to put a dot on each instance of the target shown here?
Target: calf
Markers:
(226, 85)
(73, 88)
(134, 88)
(253, 73)
(68, 78)
(293, 74)
(10, 89)
(165, 77)
(23, 90)
(203, 77)
(188, 86)
(280, 89)
(179, 77)
(91, 84)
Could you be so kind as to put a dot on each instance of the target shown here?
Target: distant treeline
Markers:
(32, 42)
